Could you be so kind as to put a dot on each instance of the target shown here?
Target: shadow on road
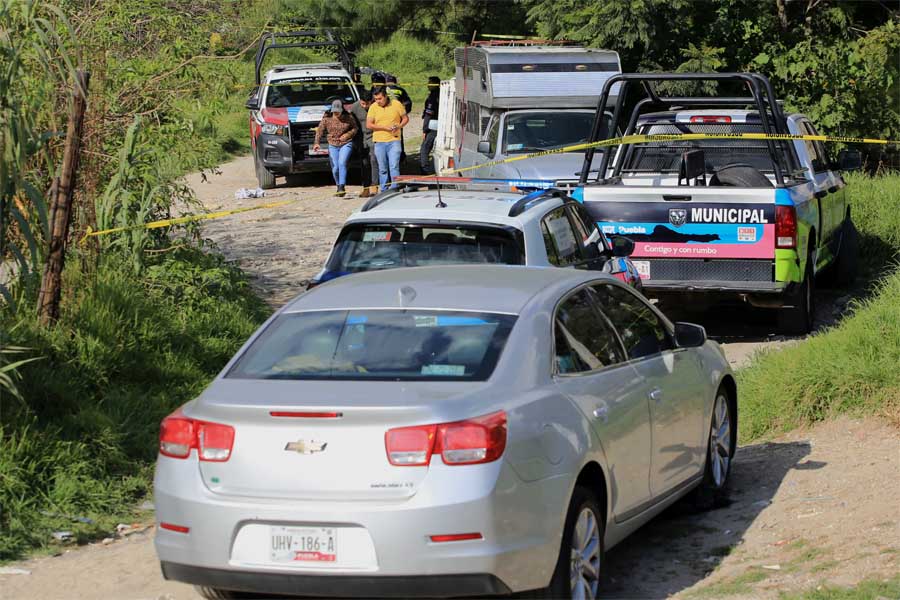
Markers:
(682, 546)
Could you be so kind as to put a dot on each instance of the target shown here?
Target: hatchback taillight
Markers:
(469, 442)
(178, 435)
(785, 227)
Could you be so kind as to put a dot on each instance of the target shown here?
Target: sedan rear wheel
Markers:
(579, 565)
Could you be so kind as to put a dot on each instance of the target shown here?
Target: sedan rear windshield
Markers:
(665, 157)
(391, 345)
(305, 92)
(372, 247)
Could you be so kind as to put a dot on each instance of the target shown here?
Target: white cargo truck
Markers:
(509, 99)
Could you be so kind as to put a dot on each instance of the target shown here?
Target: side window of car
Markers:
(641, 330)
(584, 340)
(587, 223)
(564, 246)
(816, 150)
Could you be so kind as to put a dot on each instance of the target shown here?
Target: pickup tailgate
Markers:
(693, 236)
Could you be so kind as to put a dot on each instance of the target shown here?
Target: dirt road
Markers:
(815, 506)
(811, 508)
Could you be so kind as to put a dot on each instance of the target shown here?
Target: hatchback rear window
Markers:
(393, 345)
(373, 247)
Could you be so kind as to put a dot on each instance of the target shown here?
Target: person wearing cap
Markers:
(429, 124)
(340, 128)
(386, 119)
(363, 141)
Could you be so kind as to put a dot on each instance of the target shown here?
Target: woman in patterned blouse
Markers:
(340, 128)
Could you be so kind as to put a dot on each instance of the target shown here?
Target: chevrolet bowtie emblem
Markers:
(305, 446)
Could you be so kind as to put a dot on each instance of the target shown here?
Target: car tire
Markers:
(264, 177)
(217, 594)
(798, 319)
(846, 265)
(584, 520)
(739, 175)
(720, 448)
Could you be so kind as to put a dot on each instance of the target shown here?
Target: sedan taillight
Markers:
(469, 442)
(178, 435)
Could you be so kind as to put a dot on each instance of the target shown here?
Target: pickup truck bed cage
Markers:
(762, 98)
(320, 38)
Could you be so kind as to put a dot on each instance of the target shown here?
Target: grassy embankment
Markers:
(146, 322)
(854, 367)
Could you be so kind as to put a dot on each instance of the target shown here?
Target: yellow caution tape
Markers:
(674, 137)
(617, 141)
(187, 219)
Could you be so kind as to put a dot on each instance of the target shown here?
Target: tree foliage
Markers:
(835, 60)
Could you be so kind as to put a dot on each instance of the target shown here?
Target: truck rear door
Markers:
(701, 236)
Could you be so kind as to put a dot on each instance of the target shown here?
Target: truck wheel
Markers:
(798, 320)
(847, 261)
(264, 176)
(740, 175)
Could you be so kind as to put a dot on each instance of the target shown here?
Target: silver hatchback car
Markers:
(441, 431)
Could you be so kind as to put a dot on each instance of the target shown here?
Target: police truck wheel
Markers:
(846, 264)
(798, 319)
(264, 176)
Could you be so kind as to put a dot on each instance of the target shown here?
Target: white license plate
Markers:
(303, 544)
(643, 268)
(322, 151)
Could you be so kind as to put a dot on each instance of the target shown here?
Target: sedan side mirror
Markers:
(849, 159)
(622, 246)
(688, 335)
(484, 147)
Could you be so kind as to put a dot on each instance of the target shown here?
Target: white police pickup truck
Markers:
(712, 219)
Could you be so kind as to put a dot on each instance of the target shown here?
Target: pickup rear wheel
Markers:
(846, 263)
(798, 319)
(739, 175)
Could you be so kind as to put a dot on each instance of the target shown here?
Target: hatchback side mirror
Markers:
(622, 246)
(688, 335)
(484, 147)
(849, 159)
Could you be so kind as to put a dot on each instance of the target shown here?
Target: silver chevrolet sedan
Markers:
(442, 431)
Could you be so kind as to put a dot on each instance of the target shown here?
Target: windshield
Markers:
(369, 247)
(665, 157)
(535, 131)
(308, 92)
(396, 345)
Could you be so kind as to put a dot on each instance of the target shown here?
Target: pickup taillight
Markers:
(785, 227)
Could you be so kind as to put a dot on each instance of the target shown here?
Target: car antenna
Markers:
(440, 203)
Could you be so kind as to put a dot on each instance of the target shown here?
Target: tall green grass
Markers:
(127, 351)
(853, 368)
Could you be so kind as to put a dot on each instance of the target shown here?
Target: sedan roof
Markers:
(493, 289)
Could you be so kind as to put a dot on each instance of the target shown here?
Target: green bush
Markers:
(853, 367)
(412, 60)
(127, 351)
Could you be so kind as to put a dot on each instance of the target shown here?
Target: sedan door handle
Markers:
(655, 394)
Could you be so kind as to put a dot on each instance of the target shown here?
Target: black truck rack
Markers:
(318, 38)
(762, 98)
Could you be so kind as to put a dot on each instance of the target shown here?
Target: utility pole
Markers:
(61, 205)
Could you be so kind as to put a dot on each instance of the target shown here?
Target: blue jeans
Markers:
(339, 157)
(388, 155)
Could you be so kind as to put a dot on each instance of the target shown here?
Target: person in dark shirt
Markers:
(398, 93)
(429, 117)
(364, 142)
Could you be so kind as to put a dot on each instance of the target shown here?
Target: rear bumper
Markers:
(228, 535)
(754, 287)
(423, 586)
